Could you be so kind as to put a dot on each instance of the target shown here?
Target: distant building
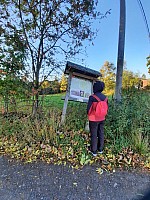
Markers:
(145, 82)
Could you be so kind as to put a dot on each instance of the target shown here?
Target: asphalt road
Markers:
(41, 181)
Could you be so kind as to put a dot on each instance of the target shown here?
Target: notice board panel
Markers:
(80, 89)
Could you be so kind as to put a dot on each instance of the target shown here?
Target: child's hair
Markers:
(98, 86)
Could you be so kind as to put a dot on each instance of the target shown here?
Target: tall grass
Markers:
(127, 123)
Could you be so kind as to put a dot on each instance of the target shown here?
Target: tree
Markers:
(148, 64)
(12, 64)
(143, 76)
(120, 59)
(45, 84)
(108, 76)
(55, 86)
(63, 83)
(130, 79)
(50, 28)
(11, 87)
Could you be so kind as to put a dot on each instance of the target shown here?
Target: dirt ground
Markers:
(41, 181)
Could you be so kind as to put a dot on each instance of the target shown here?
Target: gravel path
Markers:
(41, 181)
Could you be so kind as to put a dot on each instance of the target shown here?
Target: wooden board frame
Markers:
(81, 75)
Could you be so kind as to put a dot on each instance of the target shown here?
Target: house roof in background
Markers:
(72, 67)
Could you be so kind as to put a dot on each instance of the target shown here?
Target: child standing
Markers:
(96, 123)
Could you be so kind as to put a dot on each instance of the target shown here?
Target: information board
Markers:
(80, 89)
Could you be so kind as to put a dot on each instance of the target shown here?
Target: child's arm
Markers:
(90, 101)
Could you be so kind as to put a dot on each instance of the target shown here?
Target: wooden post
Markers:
(66, 99)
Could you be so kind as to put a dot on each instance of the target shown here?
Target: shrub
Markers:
(126, 119)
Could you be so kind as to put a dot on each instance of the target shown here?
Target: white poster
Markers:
(80, 88)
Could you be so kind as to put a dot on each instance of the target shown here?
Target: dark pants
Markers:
(97, 135)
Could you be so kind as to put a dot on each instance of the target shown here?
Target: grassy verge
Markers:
(127, 131)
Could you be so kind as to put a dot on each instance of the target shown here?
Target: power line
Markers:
(144, 16)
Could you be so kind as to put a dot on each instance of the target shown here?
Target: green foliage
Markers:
(130, 79)
(76, 116)
(12, 64)
(141, 142)
(11, 88)
(48, 30)
(31, 130)
(108, 76)
(126, 134)
(50, 87)
(55, 86)
(148, 64)
(45, 84)
(126, 119)
(143, 76)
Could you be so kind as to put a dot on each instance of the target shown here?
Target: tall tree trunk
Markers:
(120, 59)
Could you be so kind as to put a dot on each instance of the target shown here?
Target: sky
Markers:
(137, 41)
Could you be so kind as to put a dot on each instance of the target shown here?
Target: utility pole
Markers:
(121, 44)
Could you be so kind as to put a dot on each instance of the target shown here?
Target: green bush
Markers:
(126, 119)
